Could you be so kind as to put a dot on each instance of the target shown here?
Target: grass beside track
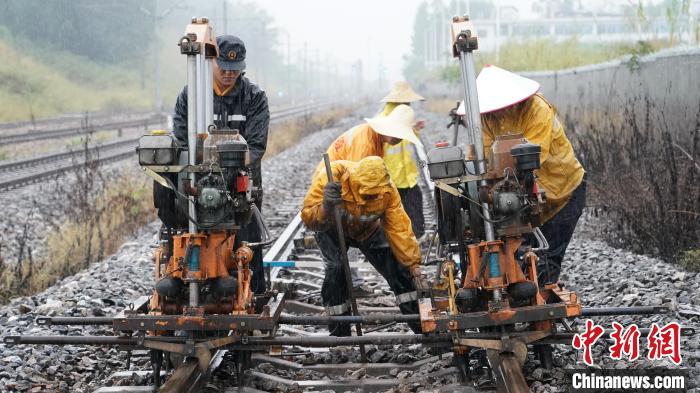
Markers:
(93, 229)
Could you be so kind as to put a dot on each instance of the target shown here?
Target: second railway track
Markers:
(14, 174)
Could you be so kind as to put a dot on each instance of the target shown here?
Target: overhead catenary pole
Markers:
(225, 17)
(157, 16)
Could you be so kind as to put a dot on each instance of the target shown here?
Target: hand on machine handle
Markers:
(420, 282)
(331, 196)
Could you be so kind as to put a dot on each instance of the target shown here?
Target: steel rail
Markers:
(24, 179)
(59, 156)
(70, 131)
(60, 169)
(64, 118)
(35, 135)
(562, 337)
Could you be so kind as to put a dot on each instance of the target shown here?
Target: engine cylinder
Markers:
(169, 286)
(225, 286)
(527, 156)
(466, 299)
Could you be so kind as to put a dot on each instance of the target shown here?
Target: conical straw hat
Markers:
(498, 88)
(403, 93)
(398, 124)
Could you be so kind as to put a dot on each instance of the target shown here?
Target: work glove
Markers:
(331, 196)
(419, 281)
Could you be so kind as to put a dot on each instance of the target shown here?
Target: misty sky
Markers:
(371, 29)
(376, 30)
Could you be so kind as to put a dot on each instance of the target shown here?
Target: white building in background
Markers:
(599, 21)
(492, 33)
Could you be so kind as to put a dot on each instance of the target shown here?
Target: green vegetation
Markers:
(95, 230)
(690, 260)
(547, 54)
(72, 56)
(31, 88)
(106, 32)
(660, 25)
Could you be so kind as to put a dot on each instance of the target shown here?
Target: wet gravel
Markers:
(103, 289)
(601, 275)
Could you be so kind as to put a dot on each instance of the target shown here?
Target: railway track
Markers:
(38, 135)
(297, 356)
(64, 120)
(20, 173)
(300, 361)
(8, 137)
(289, 231)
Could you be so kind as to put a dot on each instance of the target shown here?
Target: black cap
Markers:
(231, 53)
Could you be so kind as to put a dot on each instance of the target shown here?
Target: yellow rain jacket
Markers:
(355, 144)
(560, 172)
(398, 159)
(367, 177)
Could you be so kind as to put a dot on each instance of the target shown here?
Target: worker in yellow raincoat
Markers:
(374, 221)
(510, 103)
(369, 139)
(400, 160)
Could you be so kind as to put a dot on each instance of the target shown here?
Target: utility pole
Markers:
(157, 18)
(157, 99)
(306, 72)
(498, 31)
(288, 65)
(317, 74)
(225, 18)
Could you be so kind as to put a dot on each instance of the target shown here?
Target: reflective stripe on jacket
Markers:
(560, 172)
(400, 164)
(387, 205)
(398, 158)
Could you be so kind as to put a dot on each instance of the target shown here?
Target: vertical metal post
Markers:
(192, 128)
(201, 82)
(208, 94)
(465, 47)
(197, 44)
(193, 103)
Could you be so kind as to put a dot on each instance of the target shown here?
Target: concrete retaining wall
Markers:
(666, 83)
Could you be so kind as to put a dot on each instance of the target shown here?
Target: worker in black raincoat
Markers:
(238, 104)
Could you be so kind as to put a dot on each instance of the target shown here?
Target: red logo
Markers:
(626, 343)
(662, 342)
(586, 339)
(665, 342)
